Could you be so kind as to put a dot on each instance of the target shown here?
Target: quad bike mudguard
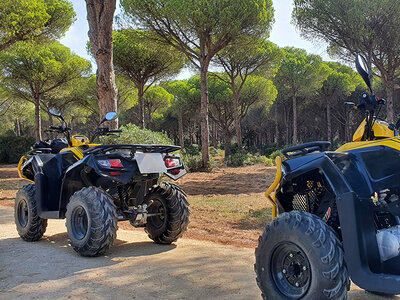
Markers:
(351, 177)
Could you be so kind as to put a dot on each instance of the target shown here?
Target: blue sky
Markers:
(283, 32)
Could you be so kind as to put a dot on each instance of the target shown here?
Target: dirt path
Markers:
(134, 269)
(227, 205)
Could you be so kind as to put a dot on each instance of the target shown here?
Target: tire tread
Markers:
(37, 226)
(324, 239)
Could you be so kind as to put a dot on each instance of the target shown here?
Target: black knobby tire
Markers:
(30, 226)
(91, 221)
(170, 202)
(300, 256)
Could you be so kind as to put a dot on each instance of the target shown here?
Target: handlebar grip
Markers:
(115, 131)
(54, 127)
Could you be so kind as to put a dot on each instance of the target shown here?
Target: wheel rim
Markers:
(290, 270)
(157, 207)
(79, 222)
(23, 213)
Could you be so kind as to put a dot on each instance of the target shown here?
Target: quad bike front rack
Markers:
(271, 191)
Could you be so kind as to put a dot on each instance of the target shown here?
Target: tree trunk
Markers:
(286, 114)
(238, 130)
(50, 118)
(347, 134)
(17, 127)
(328, 120)
(276, 140)
(100, 15)
(180, 128)
(214, 134)
(149, 118)
(204, 112)
(142, 122)
(295, 139)
(389, 101)
(38, 121)
(227, 145)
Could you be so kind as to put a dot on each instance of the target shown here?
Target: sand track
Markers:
(135, 268)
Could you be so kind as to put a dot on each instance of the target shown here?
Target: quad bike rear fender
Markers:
(88, 172)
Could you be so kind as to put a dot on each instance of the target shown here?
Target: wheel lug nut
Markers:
(304, 268)
(297, 284)
(284, 271)
(291, 254)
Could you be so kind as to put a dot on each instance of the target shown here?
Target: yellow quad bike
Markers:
(339, 214)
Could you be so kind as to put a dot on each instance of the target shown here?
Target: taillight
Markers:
(111, 163)
(172, 162)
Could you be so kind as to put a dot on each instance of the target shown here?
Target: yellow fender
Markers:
(270, 193)
(19, 168)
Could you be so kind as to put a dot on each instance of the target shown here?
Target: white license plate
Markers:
(150, 163)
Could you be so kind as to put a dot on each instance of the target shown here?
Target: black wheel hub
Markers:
(23, 213)
(158, 210)
(290, 270)
(79, 222)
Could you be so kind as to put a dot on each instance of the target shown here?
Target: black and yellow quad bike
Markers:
(95, 186)
(339, 214)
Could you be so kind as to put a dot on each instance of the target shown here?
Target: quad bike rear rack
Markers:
(133, 148)
(303, 149)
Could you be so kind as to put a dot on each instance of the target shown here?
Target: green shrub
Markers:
(275, 154)
(13, 147)
(192, 149)
(213, 151)
(195, 163)
(132, 134)
(267, 150)
(237, 160)
(268, 162)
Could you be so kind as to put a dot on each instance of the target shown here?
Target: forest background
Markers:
(246, 98)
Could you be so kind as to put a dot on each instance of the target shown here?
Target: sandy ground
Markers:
(135, 268)
(241, 190)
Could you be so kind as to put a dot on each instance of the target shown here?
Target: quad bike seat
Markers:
(56, 145)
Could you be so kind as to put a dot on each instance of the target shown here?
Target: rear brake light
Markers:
(111, 163)
(172, 162)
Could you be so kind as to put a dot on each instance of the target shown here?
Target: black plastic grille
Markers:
(305, 201)
(300, 202)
